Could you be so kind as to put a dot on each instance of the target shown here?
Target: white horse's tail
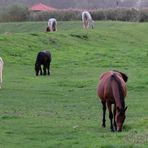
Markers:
(1, 71)
(87, 20)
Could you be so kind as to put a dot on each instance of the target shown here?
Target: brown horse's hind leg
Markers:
(115, 126)
(104, 112)
(110, 115)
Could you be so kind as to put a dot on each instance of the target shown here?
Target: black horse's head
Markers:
(37, 68)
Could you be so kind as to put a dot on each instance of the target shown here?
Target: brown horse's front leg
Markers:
(104, 112)
(110, 116)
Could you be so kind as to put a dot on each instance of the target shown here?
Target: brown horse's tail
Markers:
(117, 89)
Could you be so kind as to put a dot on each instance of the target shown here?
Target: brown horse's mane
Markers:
(121, 92)
(124, 76)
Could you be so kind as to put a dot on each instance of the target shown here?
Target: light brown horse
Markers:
(112, 90)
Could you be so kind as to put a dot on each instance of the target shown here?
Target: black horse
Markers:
(43, 58)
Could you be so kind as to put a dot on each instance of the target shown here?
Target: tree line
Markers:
(80, 4)
(22, 13)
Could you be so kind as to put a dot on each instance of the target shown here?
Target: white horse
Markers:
(52, 25)
(1, 71)
(87, 20)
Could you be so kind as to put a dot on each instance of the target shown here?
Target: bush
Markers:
(122, 14)
(14, 13)
(61, 15)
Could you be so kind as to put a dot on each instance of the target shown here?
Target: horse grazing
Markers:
(112, 90)
(1, 71)
(43, 58)
(47, 29)
(52, 25)
(87, 20)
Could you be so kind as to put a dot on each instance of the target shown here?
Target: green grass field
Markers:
(63, 110)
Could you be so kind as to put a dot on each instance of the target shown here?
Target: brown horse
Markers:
(112, 90)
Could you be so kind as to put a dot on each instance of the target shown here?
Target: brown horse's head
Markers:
(120, 117)
(47, 29)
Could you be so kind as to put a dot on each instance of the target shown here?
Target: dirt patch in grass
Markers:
(137, 138)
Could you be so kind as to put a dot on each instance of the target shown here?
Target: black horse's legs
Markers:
(110, 115)
(40, 70)
(104, 112)
(115, 126)
(48, 67)
(37, 73)
(44, 68)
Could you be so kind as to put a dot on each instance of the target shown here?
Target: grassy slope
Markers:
(63, 110)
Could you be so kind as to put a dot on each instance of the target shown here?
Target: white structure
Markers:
(52, 24)
(1, 71)
(87, 20)
(140, 4)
